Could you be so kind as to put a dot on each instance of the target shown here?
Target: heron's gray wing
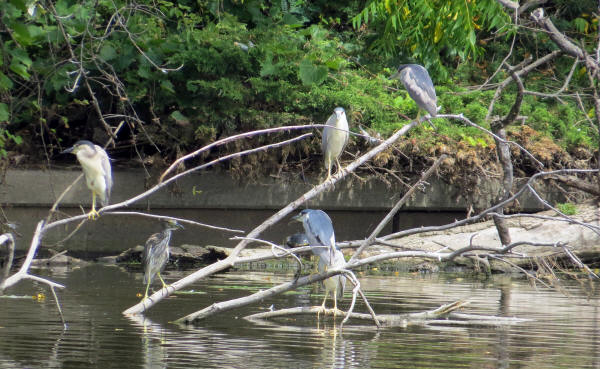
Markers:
(105, 161)
(347, 135)
(320, 225)
(327, 131)
(417, 82)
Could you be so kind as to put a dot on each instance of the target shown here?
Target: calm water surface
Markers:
(564, 331)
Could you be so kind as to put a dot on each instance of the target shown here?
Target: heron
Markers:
(335, 138)
(156, 253)
(96, 167)
(319, 231)
(417, 82)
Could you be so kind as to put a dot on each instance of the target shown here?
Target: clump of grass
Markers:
(567, 208)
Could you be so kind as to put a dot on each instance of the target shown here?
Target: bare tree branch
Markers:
(390, 215)
(232, 258)
(387, 319)
(577, 183)
(561, 40)
(179, 220)
(8, 240)
(23, 272)
(466, 120)
(530, 4)
(488, 211)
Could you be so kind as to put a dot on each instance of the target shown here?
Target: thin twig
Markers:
(390, 215)
(179, 220)
(62, 317)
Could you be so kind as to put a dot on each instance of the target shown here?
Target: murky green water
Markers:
(564, 333)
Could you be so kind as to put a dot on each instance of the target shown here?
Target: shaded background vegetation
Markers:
(180, 74)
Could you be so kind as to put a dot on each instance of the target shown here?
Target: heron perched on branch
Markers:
(335, 138)
(156, 253)
(417, 82)
(96, 168)
(319, 231)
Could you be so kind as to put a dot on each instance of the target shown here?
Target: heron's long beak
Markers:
(296, 218)
(395, 75)
(67, 151)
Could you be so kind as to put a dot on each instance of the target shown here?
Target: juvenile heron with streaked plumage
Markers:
(95, 164)
(156, 253)
(417, 82)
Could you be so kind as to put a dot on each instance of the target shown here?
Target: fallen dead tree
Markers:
(445, 315)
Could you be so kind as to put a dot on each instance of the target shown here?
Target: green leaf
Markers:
(144, 72)
(107, 52)
(4, 113)
(20, 69)
(335, 64)
(179, 118)
(5, 82)
(168, 86)
(267, 66)
(311, 74)
(17, 139)
(472, 38)
(581, 25)
(21, 34)
(19, 4)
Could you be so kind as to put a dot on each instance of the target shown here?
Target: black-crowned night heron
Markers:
(319, 231)
(96, 167)
(417, 82)
(156, 253)
(335, 138)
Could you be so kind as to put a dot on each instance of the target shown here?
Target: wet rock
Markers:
(425, 267)
(181, 256)
(190, 255)
(59, 260)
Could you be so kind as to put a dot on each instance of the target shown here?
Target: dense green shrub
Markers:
(184, 73)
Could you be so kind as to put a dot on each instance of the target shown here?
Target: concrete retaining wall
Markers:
(26, 196)
(40, 188)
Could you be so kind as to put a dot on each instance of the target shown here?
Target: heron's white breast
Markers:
(94, 175)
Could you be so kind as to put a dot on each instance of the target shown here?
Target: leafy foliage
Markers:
(433, 32)
(184, 73)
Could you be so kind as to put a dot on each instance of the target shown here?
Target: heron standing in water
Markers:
(319, 231)
(156, 253)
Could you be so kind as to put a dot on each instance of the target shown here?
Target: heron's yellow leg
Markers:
(146, 293)
(324, 301)
(162, 280)
(323, 306)
(339, 166)
(93, 213)
(328, 172)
